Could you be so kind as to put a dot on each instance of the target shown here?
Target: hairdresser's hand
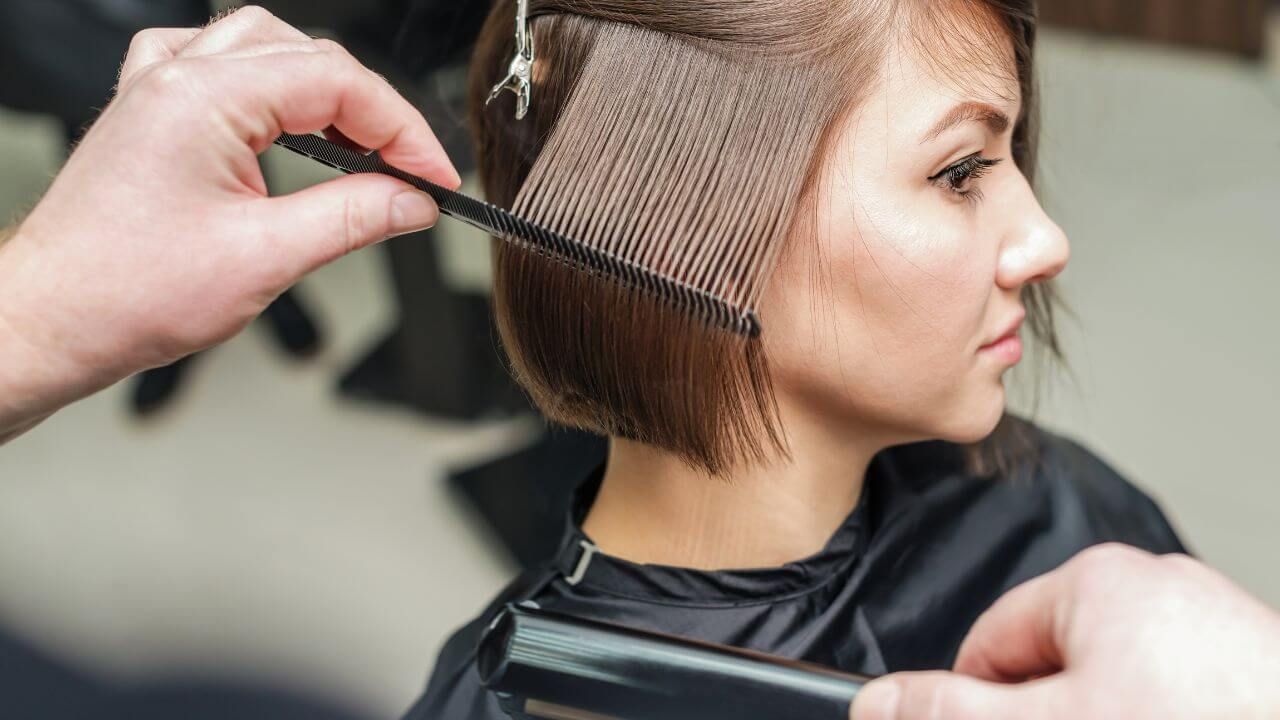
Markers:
(1115, 634)
(158, 238)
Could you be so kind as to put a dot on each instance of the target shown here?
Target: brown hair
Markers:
(683, 123)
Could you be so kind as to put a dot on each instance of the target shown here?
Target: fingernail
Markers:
(877, 701)
(411, 212)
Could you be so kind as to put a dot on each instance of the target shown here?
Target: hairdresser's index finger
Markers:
(322, 85)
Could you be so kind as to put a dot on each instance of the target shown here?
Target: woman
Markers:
(858, 171)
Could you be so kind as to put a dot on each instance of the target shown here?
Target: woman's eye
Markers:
(960, 177)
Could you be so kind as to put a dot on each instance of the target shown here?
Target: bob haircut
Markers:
(693, 134)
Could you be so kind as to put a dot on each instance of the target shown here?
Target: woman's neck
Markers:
(652, 508)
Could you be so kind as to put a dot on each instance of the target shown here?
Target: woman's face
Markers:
(892, 325)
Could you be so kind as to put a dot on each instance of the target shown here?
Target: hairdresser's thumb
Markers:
(316, 226)
(944, 696)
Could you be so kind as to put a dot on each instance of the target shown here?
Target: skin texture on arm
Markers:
(1115, 634)
(11, 361)
(158, 238)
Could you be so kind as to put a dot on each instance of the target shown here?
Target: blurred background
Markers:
(317, 504)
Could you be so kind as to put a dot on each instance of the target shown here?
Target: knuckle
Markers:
(354, 226)
(925, 697)
(1102, 568)
(1108, 556)
(330, 46)
(143, 38)
(349, 72)
(168, 78)
(1183, 564)
(951, 701)
(254, 15)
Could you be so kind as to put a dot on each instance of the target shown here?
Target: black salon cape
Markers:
(927, 549)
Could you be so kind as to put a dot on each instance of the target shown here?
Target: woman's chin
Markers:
(974, 421)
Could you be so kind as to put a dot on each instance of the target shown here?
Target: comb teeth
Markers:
(492, 219)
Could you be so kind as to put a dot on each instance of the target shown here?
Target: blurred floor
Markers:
(263, 523)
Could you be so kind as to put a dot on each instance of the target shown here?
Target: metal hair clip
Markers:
(519, 79)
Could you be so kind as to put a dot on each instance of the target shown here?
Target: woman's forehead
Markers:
(960, 46)
(945, 68)
(917, 99)
(919, 76)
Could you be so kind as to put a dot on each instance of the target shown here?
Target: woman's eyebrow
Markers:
(995, 120)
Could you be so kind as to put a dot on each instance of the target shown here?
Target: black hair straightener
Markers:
(550, 666)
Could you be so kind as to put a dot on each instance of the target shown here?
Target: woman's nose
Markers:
(1036, 250)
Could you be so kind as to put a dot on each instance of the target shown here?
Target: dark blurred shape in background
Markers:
(34, 686)
(1233, 25)
(61, 57)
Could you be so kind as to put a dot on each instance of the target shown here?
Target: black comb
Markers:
(507, 226)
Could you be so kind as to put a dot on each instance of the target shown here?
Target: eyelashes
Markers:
(959, 178)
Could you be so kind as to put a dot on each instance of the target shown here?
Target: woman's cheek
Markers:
(949, 292)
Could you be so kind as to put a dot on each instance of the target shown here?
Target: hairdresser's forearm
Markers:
(12, 421)
(41, 325)
(30, 390)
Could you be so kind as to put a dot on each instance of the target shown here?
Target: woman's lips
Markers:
(1008, 347)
